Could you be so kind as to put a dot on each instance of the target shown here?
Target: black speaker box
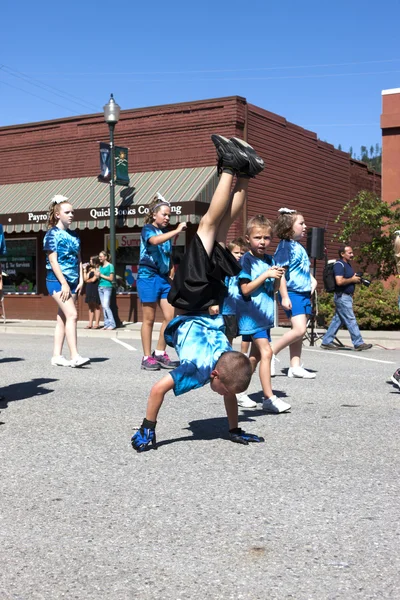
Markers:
(315, 242)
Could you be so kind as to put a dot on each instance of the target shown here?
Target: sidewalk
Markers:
(387, 339)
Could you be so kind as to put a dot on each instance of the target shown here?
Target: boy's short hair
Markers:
(258, 221)
(234, 370)
(239, 241)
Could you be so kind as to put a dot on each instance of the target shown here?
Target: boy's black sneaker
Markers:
(230, 156)
(256, 163)
(396, 378)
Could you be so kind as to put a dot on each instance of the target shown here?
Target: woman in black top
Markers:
(92, 292)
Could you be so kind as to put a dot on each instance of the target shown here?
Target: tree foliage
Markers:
(375, 307)
(367, 223)
(372, 157)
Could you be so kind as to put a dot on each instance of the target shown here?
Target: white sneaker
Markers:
(60, 361)
(79, 361)
(244, 401)
(300, 373)
(274, 360)
(275, 405)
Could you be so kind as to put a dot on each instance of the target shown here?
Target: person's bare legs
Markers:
(244, 347)
(97, 313)
(234, 208)
(296, 347)
(168, 314)
(91, 313)
(66, 325)
(59, 334)
(296, 334)
(146, 332)
(210, 222)
(265, 352)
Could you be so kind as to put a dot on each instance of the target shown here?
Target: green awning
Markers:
(24, 206)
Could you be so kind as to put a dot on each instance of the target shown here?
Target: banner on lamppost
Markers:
(105, 154)
(121, 166)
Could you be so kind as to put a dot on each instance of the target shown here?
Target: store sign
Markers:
(37, 217)
(103, 212)
(138, 210)
(132, 240)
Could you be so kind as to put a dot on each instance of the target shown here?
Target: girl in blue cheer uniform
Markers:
(296, 288)
(64, 279)
(153, 280)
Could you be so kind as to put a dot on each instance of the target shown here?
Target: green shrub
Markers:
(375, 307)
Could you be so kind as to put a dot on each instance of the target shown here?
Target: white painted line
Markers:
(349, 355)
(127, 346)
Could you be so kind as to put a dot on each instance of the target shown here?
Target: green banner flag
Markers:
(121, 166)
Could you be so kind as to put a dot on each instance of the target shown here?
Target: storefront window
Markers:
(20, 266)
(127, 255)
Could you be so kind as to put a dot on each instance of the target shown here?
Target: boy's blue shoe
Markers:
(255, 162)
(230, 156)
(142, 439)
(241, 437)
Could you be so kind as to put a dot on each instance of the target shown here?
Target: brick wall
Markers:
(163, 137)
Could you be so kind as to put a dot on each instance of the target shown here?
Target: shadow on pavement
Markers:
(209, 429)
(11, 359)
(23, 391)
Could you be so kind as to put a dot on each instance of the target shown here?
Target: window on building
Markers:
(20, 266)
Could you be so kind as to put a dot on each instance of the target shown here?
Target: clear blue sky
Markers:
(321, 65)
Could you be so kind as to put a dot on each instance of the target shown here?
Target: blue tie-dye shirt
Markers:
(232, 295)
(67, 245)
(199, 341)
(256, 311)
(291, 254)
(154, 259)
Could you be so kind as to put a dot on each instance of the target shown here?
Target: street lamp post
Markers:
(111, 117)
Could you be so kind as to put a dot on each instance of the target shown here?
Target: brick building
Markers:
(390, 123)
(169, 151)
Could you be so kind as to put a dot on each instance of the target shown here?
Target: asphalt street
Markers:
(310, 514)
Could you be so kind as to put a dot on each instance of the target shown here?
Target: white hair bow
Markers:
(161, 198)
(396, 232)
(286, 211)
(161, 201)
(58, 198)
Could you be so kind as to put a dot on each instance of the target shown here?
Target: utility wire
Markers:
(43, 86)
(40, 97)
(272, 78)
(365, 62)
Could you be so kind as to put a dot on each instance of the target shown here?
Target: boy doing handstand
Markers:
(198, 337)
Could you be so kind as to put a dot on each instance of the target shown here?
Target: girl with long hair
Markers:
(64, 279)
(155, 269)
(296, 288)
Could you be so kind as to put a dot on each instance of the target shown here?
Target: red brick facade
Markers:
(390, 123)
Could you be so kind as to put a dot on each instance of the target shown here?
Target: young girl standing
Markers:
(296, 287)
(106, 277)
(64, 279)
(152, 282)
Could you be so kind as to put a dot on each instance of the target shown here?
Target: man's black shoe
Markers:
(363, 347)
(230, 156)
(329, 346)
(256, 163)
